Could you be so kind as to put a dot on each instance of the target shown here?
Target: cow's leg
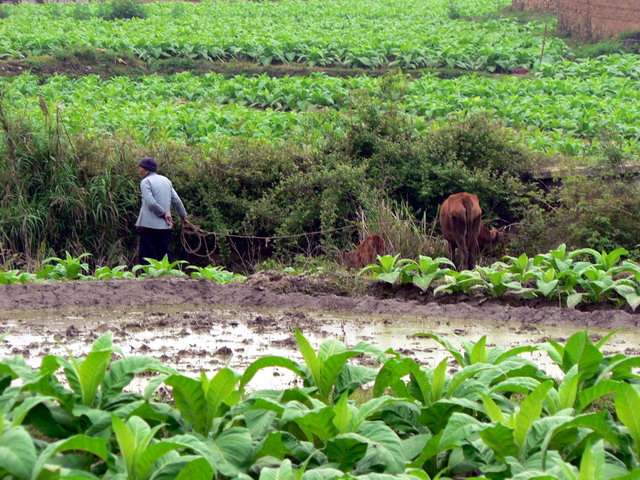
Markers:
(473, 231)
(452, 250)
(464, 263)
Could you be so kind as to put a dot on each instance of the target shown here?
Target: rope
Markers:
(190, 228)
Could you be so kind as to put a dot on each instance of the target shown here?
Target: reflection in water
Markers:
(195, 339)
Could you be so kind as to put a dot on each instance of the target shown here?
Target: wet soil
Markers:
(195, 325)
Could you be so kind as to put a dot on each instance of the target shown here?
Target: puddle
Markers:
(192, 339)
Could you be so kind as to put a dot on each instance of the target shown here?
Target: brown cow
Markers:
(366, 252)
(460, 218)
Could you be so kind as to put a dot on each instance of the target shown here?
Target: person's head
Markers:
(146, 165)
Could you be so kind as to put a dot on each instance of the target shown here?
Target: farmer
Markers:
(155, 222)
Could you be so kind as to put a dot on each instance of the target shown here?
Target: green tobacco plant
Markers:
(494, 413)
(464, 281)
(86, 375)
(326, 370)
(217, 274)
(426, 271)
(389, 269)
(160, 268)
(498, 282)
(68, 268)
(108, 273)
(140, 454)
(204, 400)
(16, 276)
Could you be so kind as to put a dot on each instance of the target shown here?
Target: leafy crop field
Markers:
(562, 109)
(494, 415)
(405, 33)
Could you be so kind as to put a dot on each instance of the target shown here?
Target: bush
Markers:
(123, 9)
(598, 212)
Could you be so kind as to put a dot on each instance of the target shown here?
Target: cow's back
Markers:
(460, 219)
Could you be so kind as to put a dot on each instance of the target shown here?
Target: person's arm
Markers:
(178, 205)
(147, 194)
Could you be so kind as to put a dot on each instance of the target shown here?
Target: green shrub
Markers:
(598, 212)
(123, 9)
(594, 50)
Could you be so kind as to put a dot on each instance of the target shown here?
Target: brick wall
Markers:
(599, 19)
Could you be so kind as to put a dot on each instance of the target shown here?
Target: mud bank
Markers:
(267, 291)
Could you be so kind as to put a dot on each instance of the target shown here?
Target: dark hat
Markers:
(149, 163)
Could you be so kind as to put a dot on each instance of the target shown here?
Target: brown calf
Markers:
(366, 252)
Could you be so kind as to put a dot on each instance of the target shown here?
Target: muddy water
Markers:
(197, 338)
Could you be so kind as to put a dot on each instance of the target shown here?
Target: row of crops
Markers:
(569, 277)
(496, 415)
(555, 111)
(405, 33)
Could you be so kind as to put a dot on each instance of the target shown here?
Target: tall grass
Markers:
(52, 199)
(403, 232)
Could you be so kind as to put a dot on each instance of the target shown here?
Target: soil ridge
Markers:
(261, 291)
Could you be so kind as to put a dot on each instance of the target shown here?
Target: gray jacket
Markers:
(157, 197)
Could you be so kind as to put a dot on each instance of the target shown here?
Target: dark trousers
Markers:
(154, 244)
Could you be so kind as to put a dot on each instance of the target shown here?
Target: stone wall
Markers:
(599, 19)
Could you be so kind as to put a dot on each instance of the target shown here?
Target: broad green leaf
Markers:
(198, 469)
(479, 352)
(342, 417)
(267, 362)
(589, 395)
(499, 438)
(91, 373)
(580, 351)
(151, 454)
(438, 382)
(346, 450)
(231, 451)
(330, 370)
(530, 410)
(493, 411)
(319, 423)
(17, 452)
(568, 389)
(592, 465)
(122, 371)
(309, 356)
(458, 429)
(217, 391)
(284, 472)
(385, 450)
(627, 402)
(96, 446)
(189, 397)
